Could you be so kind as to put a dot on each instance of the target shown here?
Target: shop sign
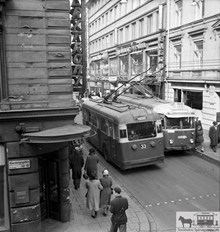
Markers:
(18, 164)
(113, 79)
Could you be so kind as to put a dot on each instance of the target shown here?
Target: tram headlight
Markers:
(134, 147)
(191, 141)
(171, 142)
(153, 144)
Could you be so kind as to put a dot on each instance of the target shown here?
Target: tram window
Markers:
(104, 126)
(141, 130)
(123, 134)
(111, 130)
(188, 122)
(89, 119)
(159, 128)
(173, 123)
(94, 120)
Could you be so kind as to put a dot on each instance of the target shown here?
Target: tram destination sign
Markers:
(19, 164)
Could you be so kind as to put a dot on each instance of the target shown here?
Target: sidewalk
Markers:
(81, 220)
(208, 154)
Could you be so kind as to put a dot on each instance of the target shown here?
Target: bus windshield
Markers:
(180, 123)
(141, 130)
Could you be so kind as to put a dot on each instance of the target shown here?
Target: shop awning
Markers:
(59, 134)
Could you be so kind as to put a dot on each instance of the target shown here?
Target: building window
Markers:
(136, 63)
(141, 27)
(106, 18)
(111, 40)
(178, 12)
(4, 218)
(177, 95)
(149, 23)
(177, 56)
(121, 35)
(127, 33)
(123, 66)
(193, 99)
(151, 61)
(198, 4)
(198, 54)
(116, 12)
(134, 30)
(113, 66)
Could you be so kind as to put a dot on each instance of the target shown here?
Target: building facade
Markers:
(37, 113)
(126, 41)
(171, 45)
(193, 57)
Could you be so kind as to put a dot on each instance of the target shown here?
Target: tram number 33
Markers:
(143, 146)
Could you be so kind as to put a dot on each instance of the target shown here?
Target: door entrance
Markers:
(49, 187)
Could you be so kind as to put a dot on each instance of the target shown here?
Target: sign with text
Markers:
(18, 164)
(198, 221)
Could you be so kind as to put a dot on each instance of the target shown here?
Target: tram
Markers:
(126, 135)
(178, 122)
(203, 219)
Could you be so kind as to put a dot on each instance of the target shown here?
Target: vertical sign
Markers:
(76, 45)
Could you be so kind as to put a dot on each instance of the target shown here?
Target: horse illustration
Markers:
(185, 221)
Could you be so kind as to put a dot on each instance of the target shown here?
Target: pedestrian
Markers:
(91, 164)
(76, 164)
(118, 206)
(105, 194)
(93, 194)
(213, 135)
(218, 133)
(199, 138)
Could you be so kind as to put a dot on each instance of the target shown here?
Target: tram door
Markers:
(49, 187)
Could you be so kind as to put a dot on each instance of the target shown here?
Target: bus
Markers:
(178, 123)
(126, 135)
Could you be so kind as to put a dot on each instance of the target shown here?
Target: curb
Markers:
(206, 157)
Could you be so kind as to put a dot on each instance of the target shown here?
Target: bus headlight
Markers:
(171, 142)
(134, 147)
(191, 141)
(153, 144)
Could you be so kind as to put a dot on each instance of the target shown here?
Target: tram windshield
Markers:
(180, 123)
(141, 130)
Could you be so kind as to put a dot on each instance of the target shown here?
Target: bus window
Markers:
(89, 116)
(104, 126)
(141, 130)
(173, 123)
(123, 134)
(94, 120)
(188, 122)
(111, 130)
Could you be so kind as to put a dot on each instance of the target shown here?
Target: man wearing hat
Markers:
(91, 164)
(213, 135)
(118, 207)
(76, 164)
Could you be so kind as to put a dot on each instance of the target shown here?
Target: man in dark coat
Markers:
(91, 164)
(118, 207)
(76, 164)
(213, 135)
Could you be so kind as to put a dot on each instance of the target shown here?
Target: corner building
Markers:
(126, 40)
(37, 113)
(193, 56)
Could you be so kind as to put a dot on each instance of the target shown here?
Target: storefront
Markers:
(34, 167)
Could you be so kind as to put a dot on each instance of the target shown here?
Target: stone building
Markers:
(37, 113)
(193, 56)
